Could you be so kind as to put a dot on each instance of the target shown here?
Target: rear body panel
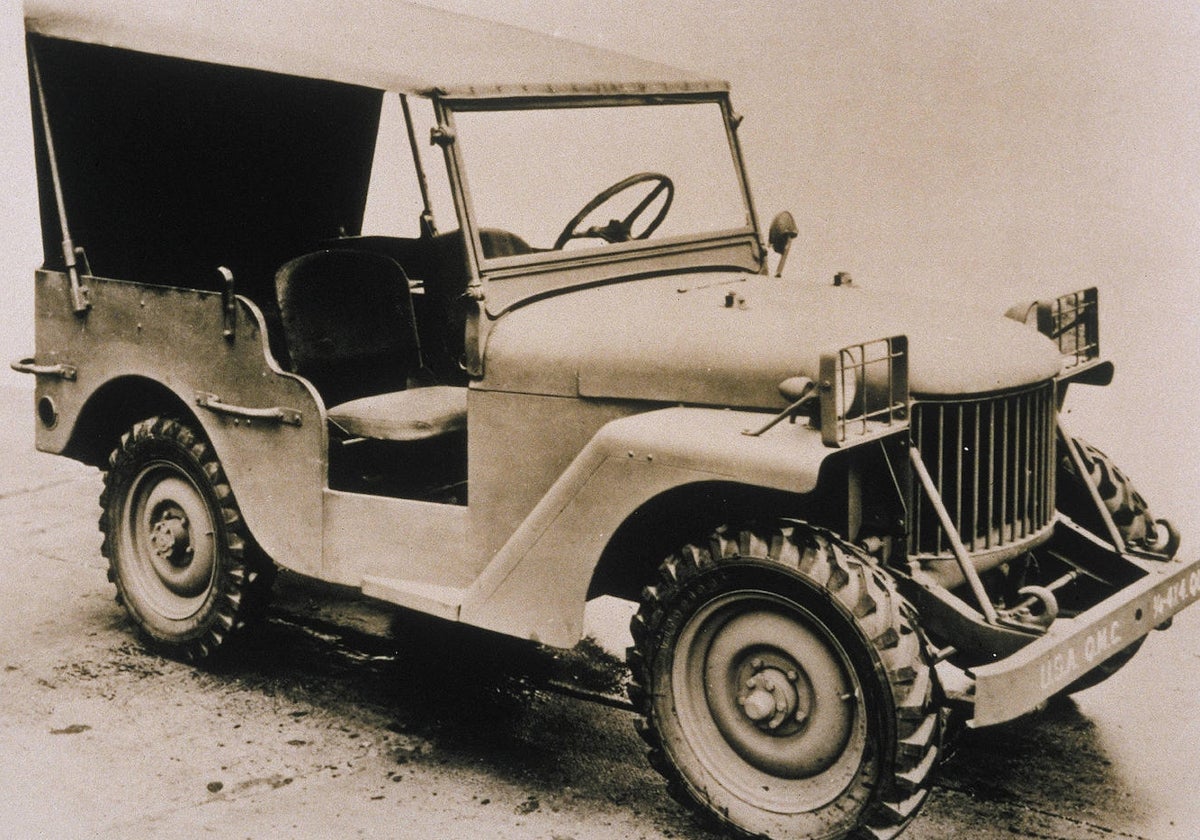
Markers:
(174, 337)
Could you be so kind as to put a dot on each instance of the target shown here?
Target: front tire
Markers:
(784, 688)
(183, 563)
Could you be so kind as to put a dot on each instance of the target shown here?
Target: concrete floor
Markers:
(312, 733)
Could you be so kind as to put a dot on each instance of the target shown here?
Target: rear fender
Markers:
(537, 584)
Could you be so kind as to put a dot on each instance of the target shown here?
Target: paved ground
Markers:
(321, 732)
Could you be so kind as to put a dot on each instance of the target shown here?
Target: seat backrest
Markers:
(348, 320)
(440, 264)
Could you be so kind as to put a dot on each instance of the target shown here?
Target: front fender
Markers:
(536, 585)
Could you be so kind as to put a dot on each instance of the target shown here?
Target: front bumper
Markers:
(1073, 646)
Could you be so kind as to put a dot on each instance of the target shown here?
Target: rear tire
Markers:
(784, 688)
(179, 553)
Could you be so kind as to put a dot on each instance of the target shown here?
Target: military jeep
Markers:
(483, 324)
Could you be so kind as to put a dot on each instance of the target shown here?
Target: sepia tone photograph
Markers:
(536, 420)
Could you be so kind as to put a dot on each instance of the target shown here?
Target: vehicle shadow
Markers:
(1049, 764)
(463, 698)
(457, 698)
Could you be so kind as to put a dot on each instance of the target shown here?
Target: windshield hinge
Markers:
(440, 135)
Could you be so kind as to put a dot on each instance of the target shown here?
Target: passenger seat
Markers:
(348, 321)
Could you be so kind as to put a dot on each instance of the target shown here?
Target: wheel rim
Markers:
(167, 538)
(769, 701)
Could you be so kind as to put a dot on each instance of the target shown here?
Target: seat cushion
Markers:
(415, 414)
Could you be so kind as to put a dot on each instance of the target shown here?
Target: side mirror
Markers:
(781, 235)
(783, 231)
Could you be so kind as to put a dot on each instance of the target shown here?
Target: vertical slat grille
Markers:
(992, 461)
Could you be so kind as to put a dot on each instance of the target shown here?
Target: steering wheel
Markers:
(621, 230)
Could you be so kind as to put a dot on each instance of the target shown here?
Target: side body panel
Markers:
(175, 337)
(519, 445)
(383, 537)
(537, 584)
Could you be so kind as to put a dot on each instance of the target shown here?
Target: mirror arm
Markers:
(787, 249)
(781, 235)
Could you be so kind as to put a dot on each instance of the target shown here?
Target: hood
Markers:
(675, 339)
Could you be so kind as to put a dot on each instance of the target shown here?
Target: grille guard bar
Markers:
(1073, 646)
(960, 552)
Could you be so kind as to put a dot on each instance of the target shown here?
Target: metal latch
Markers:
(62, 371)
(276, 414)
(228, 304)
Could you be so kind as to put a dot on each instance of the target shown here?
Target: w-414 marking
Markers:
(1176, 595)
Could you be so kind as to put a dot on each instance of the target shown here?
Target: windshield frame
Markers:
(505, 282)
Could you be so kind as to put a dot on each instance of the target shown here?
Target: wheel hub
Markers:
(772, 697)
(170, 538)
(772, 688)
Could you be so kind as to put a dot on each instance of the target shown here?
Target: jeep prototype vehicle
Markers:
(481, 323)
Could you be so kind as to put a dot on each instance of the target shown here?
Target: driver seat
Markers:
(348, 321)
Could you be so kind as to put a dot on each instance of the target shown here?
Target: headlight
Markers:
(864, 390)
(1071, 321)
(845, 386)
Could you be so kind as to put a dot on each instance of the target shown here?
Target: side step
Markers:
(440, 601)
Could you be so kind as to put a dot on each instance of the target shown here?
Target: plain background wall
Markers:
(987, 152)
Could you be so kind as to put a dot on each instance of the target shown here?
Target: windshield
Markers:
(583, 178)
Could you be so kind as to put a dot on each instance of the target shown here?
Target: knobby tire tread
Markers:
(246, 574)
(853, 580)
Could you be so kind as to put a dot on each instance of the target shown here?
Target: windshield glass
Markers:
(590, 177)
